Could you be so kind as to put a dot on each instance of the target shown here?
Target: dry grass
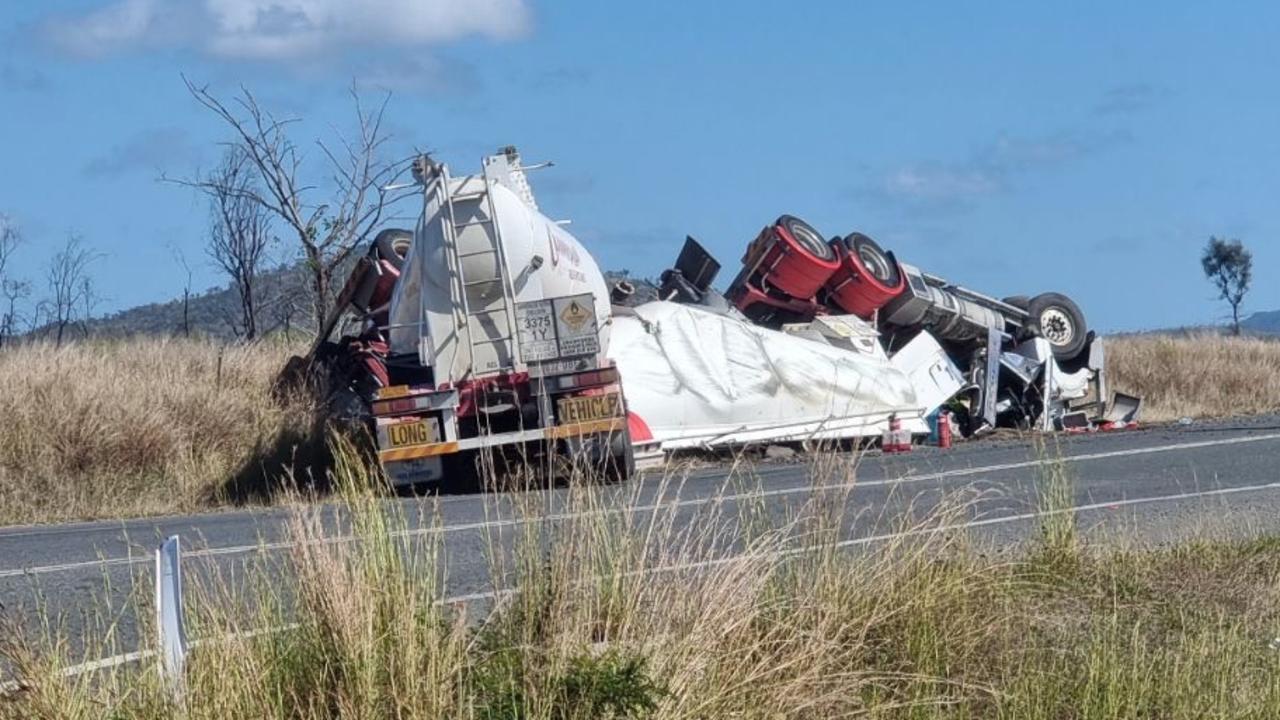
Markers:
(1206, 375)
(646, 615)
(145, 426)
(110, 428)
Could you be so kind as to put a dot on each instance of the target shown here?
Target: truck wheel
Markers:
(878, 263)
(622, 457)
(393, 244)
(807, 238)
(1058, 319)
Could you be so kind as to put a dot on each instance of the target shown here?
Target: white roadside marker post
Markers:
(172, 635)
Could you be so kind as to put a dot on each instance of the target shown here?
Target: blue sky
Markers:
(1089, 148)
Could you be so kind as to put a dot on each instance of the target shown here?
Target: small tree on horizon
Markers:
(239, 234)
(71, 293)
(1229, 266)
(11, 288)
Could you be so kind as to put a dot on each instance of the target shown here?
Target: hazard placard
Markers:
(557, 329)
(536, 329)
(576, 328)
(576, 314)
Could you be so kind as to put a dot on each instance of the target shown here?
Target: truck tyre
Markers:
(1056, 318)
(622, 457)
(880, 264)
(807, 238)
(393, 244)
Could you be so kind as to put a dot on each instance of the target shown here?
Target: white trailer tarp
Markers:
(699, 378)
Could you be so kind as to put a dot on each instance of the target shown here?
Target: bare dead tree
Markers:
(70, 287)
(13, 291)
(239, 233)
(89, 299)
(181, 258)
(10, 237)
(327, 232)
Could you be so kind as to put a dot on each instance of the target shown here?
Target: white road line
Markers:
(792, 490)
(12, 686)
(71, 671)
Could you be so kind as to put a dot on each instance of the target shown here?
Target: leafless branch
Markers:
(327, 232)
(71, 294)
(10, 237)
(13, 291)
(239, 234)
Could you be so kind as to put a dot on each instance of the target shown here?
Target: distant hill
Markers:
(1263, 322)
(284, 302)
(283, 299)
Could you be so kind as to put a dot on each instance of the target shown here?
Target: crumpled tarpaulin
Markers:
(698, 378)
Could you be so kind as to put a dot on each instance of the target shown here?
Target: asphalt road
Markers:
(1157, 484)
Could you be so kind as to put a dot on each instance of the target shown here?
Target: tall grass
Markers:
(109, 428)
(115, 428)
(1199, 376)
(725, 609)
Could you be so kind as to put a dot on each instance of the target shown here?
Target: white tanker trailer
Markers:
(485, 328)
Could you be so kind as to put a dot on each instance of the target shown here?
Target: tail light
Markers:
(402, 400)
(577, 381)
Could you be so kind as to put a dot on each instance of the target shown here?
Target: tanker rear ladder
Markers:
(471, 321)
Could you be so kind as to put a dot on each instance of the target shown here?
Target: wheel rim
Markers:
(809, 240)
(875, 263)
(1056, 326)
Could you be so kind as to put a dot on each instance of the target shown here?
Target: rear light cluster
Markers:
(575, 381)
(400, 406)
(401, 399)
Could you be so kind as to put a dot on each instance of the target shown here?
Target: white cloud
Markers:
(106, 29)
(992, 168)
(285, 30)
(935, 182)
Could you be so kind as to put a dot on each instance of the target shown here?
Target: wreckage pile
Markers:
(490, 327)
(1026, 362)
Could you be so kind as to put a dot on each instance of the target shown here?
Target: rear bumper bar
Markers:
(555, 432)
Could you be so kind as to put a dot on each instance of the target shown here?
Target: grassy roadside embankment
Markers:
(118, 428)
(1205, 375)
(642, 615)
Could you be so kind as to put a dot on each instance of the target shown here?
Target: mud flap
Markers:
(1124, 409)
(607, 457)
